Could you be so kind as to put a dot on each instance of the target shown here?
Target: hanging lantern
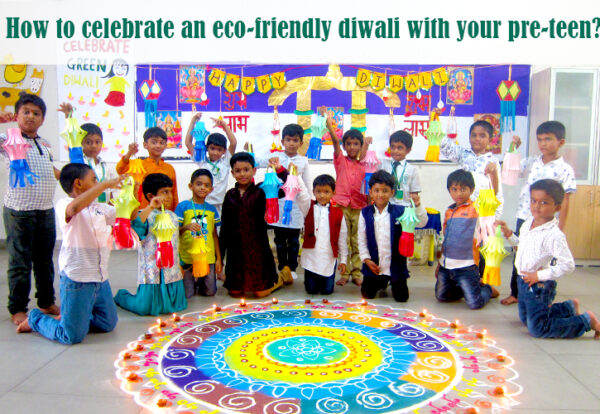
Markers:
(511, 166)
(371, 163)
(508, 91)
(434, 136)
(125, 204)
(270, 186)
(199, 250)
(408, 220)
(493, 252)
(16, 147)
(452, 127)
(164, 229)
(74, 135)
(136, 170)
(276, 145)
(486, 205)
(290, 188)
(315, 145)
(150, 90)
(199, 133)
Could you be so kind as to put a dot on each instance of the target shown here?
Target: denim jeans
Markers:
(514, 286)
(545, 319)
(84, 307)
(30, 238)
(203, 286)
(454, 284)
(287, 242)
(317, 284)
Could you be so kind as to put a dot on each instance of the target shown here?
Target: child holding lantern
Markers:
(160, 283)
(199, 248)
(457, 272)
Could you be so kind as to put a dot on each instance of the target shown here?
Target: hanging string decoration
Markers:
(508, 91)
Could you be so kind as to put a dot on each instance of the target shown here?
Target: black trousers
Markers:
(373, 284)
(287, 242)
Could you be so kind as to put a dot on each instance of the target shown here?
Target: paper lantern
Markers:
(199, 133)
(408, 220)
(74, 135)
(136, 170)
(150, 90)
(508, 91)
(276, 145)
(511, 166)
(125, 204)
(291, 189)
(16, 147)
(199, 250)
(164, 229)
(493, 252)
(270, 186)
(486, 205)
(315, 144)
(371, 163)
(434, 136)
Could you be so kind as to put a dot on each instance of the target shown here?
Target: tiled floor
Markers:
(37, 375)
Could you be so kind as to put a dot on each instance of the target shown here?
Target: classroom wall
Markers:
(433, 176)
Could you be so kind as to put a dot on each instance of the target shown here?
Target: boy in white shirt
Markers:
(86, 296)
(542, 257)
(405, 175)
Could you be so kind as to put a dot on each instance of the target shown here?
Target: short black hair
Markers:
(352, 133)
(25, 98)
(217, 139)
(323, 180)
(155, 132)
(70, 173)
(382, 177)
(199, 173)
(551, 187)
(552, 127)
(292, 130)
(461, 177)
(403, 137)
(92, 129)
(485, 125)
(242, 157)
(154, 182)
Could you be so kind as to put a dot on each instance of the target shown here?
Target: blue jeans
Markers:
(84, 307)
(315, 283)
(204, 286)
(545, 319)
(454, 284)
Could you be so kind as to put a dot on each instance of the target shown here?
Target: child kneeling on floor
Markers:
(85, 294)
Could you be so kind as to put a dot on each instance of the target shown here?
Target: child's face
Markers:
(380, 194)
(542, 206)
(155, 146)
(215, 152)
(398, 150)
(323, 194)
(120, 69)
(30, 119)
(352, 147)
(87, 182)
(166, 195)
(92, 145)
(479, 139)
(291, 144)
(243, 172)
(201, 187)
(460, 193)
(549, 144)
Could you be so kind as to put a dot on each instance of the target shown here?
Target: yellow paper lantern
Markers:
(486, 202)
(73, 134)
(163, 227)
(126, 203)
(199, 250)
(493, 252)
(136, 170)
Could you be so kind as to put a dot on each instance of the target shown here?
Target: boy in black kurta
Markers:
(250, 266)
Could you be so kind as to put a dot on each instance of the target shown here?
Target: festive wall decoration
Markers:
(324, 357)
(15, 77)
(460, 86)
(170, 122)
(192, 86)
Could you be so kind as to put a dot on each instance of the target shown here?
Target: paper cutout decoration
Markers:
(408, 220)
(199, 133)
(136, 170)
(452, 127)
(434, 136)
(493, 252)
(199, 250)
(74, 135)
(486, 205)
(16, 148)
(163, 229)
(276, 145)
(15, 73)
(125, 204)
(150, 90)
(511, 166)
(371, 163)
(290, 188)
(271, 186)
(508, 91)
(316, 141)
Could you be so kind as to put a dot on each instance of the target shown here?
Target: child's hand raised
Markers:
(368, 140)
(132, 149)
(517, 141)
(219, 122)
(415, 198)
(66, 108)
(156, 202)
(196, 117)
(116, 182)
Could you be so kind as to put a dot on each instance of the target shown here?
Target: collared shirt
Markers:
(320, 259)
(300, 161)
(349, 182)
(459, 248)
(469, 161)
(543, 249)
(103, 173)
(407, 180)
(535, 169)
(37, 196)
(85, 246)
(220, 172)
(382, 237)
(207, 216)
(151, 167)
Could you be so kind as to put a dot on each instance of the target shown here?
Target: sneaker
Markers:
(294, 275)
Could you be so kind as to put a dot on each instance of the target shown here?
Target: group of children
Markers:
(344, 228)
